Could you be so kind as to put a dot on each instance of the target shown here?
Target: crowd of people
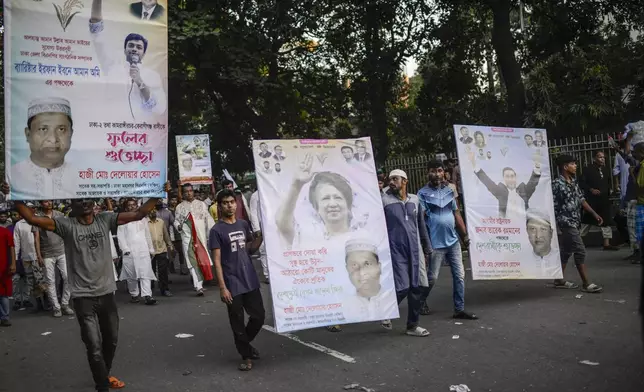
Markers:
(66, 257)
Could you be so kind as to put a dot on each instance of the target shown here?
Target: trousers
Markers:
(160, 266)
(263, 258)
(607, 231)
(244, 334)
(51, 264)
(4, 308)
(414, 297)
(99, 324)
(454, 258)
(133, 287)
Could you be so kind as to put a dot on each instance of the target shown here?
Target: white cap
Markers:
(360, 245)
(398, 173)
(49, 105)
(537, 215)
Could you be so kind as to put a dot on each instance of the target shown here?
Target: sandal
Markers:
(566, 285)
(386, 324)
(115, 383)
(417, 332)
(593, 289)
(245, 367)
(334, 328)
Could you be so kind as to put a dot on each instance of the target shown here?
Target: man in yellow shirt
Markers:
(213, 211)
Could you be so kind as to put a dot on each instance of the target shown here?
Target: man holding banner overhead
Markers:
(193, 221)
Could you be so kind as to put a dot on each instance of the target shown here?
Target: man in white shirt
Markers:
(540, 232)
(25, 246)
(147, 10)
(203, 222)
(256, 225)
(46, 173)
(136, 244)
(143, 97)
(369, 302)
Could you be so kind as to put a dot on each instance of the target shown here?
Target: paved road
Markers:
(529, 338)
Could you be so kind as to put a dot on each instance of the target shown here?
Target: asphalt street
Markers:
(530, 338)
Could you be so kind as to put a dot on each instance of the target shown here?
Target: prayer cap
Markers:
(360, 245)
(398, 173)
(537, 215)
(49, 105)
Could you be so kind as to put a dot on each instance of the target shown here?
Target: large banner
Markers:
(325, 233)
(85, 98)
(193, 155)
(508, 202)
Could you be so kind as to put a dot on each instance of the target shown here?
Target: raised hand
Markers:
(305, 173)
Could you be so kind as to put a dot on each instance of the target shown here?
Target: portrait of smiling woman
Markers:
(330, 195)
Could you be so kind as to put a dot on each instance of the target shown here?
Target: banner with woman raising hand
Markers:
(325, 232)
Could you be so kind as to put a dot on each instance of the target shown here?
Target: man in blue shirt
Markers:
(443, 219)
(231, 243)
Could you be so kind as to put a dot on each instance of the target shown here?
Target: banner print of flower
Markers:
(66, 13)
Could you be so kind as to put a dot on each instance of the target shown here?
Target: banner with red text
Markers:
(325, 233)
(505, 174)
(193, 156)
(85, 98)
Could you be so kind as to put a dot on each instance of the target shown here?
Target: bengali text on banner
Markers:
(85, 99)
(505, 173)
(325, 233)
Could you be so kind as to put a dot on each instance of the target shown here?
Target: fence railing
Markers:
(581, 147)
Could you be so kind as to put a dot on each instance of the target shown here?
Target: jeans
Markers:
(23, 283)
(160, 265)
(630, 222)
(414, 296)
(51, 263)
(4, 308)
(454, 258)
(178, 250)
(244, 334)
(99, 323)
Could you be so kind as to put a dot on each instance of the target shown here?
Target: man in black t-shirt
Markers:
(231, 243)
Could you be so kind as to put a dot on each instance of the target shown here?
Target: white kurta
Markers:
(203, 224)
(134, 238)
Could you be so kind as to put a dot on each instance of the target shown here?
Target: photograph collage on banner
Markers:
(193, 156)
(325, 232)
(507, 186)
(86, 110)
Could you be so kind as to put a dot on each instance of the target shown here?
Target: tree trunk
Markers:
(510, 70)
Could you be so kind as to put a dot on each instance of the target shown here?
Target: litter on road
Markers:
(183, 335)
(589, 363)
(358, 387)
(455, 337)
(459, 388)
(46, 333)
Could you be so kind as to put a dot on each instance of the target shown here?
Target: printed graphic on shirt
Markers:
(237, 240)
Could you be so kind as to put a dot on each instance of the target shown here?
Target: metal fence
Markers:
(581, 147)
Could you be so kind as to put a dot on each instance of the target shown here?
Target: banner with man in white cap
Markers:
(85, 100)
(505, 174)
(325, 232)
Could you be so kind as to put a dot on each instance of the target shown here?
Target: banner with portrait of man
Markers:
(325, 233)
(193, 156)
(507, 190)
(86, 105)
